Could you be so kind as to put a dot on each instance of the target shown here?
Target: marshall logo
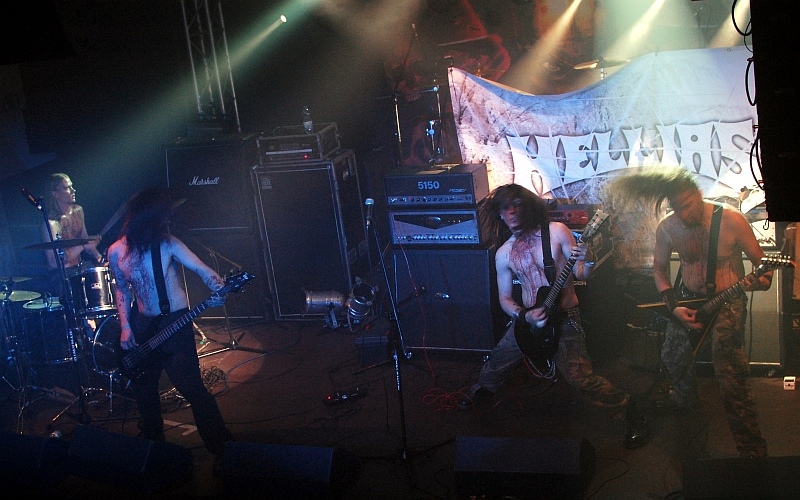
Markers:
(197, 181)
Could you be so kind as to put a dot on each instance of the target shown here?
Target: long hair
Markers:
(147, 218)
(534, 212)
(651, 186)
(54, 183)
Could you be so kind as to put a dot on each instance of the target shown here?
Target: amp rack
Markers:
(435, 227)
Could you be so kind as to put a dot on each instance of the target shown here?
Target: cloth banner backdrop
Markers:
(687, 108)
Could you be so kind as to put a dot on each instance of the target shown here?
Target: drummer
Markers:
(66, 219)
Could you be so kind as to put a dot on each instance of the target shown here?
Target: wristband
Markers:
(670, 298)
(126, 325)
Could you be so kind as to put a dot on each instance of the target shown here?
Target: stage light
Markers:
(329, 303)
(360, 301)
(283, 18)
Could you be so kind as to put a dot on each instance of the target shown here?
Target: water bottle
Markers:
(307, 123)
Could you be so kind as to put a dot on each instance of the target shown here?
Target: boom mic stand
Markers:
(72, 325)
(233, 343)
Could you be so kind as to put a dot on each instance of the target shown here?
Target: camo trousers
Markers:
(731, 368)
(571, 360)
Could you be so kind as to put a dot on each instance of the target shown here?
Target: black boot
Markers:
(637, 431)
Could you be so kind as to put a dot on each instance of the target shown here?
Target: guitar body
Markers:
(136, 363)
(539, 345)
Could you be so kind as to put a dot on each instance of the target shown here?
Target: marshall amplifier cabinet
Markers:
(450, 185)
(435, 227)
(292, 144)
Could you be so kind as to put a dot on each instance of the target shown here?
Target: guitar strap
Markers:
(547, 255)
(713, 240)
(158, 276)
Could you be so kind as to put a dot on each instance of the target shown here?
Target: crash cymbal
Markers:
(23, 296)
(64, 243)
(14, 279)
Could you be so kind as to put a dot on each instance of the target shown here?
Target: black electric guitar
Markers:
(133, 363)
(540, 343)
(705, 313)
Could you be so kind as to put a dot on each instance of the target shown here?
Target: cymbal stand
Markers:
(72, 325)
(233, 343)
(9, 337)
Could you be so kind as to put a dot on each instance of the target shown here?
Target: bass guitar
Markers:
(133, 363)
(540, 343)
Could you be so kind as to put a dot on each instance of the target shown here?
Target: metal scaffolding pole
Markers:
(210, 62)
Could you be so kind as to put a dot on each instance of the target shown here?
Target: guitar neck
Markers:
(555, 292)
(184, 320)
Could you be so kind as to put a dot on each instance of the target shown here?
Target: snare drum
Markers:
(93, 293)
(47, 339)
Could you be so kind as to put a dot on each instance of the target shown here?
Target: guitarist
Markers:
(141, 316)
(514, 217)
(688, 231)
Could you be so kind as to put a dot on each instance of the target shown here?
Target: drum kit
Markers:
(36, 329)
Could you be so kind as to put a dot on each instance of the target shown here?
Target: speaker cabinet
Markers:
(135, 463)
(767, 477)
(312, 230)
(254, 470)
(515, 467)
(213, 179)
(226, 251)
(31, 463)
(775, 41)
(445, 298)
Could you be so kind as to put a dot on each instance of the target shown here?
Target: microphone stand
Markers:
(233, 343)
(72, 325)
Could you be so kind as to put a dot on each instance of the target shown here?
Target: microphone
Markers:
(369, 202)
(31, 198)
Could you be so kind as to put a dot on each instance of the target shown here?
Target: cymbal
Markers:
(63, 243)
(15, 279)
(601, 63)
(23, 296)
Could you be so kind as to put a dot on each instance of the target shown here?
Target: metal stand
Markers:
(72, 326)
(233, 343)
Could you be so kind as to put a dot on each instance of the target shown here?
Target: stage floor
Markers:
(273, 388)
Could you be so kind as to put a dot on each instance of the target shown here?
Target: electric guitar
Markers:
(133, 363)
(540, 343)
(768, 263)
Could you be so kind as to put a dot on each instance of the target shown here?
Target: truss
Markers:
(210, 63)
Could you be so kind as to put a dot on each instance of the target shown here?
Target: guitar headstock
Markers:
(591, 228)
(235, 282)
(774, 261)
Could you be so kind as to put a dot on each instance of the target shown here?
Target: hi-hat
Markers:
(62, 243)
(23, 296)
(13, 279)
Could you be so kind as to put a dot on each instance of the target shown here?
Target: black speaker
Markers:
(282, 471)
(214, 180)
(445, 298)
(763, 478)
(312, 229)
(31, 463)
(128, 462)
(777, 95)
(517, 467)
(226, 251)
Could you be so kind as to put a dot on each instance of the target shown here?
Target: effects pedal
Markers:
(344, 396)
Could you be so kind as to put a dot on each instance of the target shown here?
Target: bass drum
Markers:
(106, 338)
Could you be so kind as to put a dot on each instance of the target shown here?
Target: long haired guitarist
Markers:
(142, 315)
(692, 230)
(516, 217)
